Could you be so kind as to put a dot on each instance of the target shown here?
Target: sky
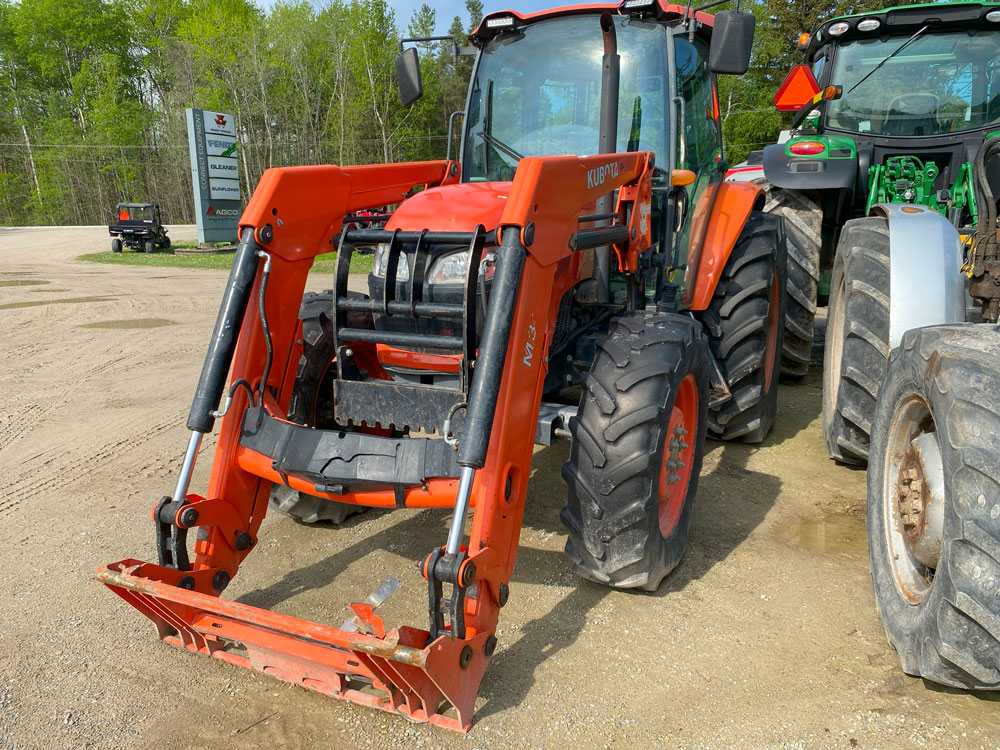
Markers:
(448, 9)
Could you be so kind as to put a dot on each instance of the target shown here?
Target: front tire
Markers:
(636, 453)
(934, 504)
(745, 320)
(312, 404)
(857, 338)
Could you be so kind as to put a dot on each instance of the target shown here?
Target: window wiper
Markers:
(499, 145)
(898, 49)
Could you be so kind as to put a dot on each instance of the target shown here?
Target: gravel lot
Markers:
(765, 636)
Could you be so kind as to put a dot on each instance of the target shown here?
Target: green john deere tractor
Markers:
(876, 187)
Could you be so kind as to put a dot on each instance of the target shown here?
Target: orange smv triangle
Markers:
(796, 90)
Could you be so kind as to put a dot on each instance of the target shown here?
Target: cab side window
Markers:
(695, 86)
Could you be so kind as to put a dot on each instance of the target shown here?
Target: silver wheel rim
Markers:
(835, 334)
(913, 499)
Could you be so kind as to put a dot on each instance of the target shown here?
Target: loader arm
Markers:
(293, 216)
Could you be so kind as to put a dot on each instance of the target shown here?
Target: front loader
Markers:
(628, 298)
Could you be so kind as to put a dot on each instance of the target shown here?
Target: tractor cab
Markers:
(580, 81)
(892, 107)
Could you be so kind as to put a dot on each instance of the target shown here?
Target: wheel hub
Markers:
(678, 456)
(674, 462)
(920, 499)
(912, 499)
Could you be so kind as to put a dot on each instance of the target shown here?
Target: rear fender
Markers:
(725, 206)
(926, 286)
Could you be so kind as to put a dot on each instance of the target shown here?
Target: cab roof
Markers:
(906, 19)
(658, 8)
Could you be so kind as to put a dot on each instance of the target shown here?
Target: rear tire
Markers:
(803, 227)
(116, 246)
(627, 509)
(936, 569)
(150, 246)
(744, 321)
(857, 338)
(312, 404)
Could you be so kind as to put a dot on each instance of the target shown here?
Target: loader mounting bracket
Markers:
(171, 539)
(460, 572)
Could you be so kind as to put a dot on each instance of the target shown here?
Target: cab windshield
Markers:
(938, 84)
(538, 92)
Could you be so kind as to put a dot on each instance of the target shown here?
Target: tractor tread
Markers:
(803, 231)
(736, 321)
(860, 293)
(611, 508)
(952, 636)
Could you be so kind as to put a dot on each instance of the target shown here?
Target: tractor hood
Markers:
(453, 208)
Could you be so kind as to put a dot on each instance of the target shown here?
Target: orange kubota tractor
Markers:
(505, 286)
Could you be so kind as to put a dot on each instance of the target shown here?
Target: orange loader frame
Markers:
(294, 215)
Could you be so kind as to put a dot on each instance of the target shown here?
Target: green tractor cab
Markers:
(138, 226)
(920, 95)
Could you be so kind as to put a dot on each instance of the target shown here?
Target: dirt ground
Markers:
(765, 636)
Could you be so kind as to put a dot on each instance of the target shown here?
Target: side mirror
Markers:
(732, 41)
(411, 87)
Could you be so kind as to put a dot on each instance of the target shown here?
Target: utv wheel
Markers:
(116, 246)
(165, 243)
(934, 504)
(744, 321)
(149, 246)
(312, 403)
(636, 451)
(803, 226)
(857, 338)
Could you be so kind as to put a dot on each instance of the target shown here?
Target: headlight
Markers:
(450, 269)
(382, 260)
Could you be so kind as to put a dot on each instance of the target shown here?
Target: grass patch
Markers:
(324, 263)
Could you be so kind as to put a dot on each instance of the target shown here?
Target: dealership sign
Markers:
(214, 174)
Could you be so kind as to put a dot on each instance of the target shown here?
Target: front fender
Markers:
(808, 173)
(926, 286)
(726, 207)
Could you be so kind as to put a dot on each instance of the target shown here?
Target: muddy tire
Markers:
(644, 404)
(857, 338)
(744, 322)
(116, 246)
(803, 226)
(934, 504)
(149, 246)
(312, 403)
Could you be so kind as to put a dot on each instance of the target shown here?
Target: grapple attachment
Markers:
(396, 671)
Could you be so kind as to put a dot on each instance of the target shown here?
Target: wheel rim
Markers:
(913, 499)
(835, 335)
(678, 455)
(771, 344)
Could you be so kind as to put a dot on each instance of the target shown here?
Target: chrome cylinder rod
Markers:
(187, 467)
(457, 530)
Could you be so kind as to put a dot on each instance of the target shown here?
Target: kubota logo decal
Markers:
(598, 175)
(220, 120)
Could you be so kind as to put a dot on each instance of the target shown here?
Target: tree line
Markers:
(93, 92)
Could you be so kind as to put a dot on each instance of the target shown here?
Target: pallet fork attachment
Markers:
(430, 675)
